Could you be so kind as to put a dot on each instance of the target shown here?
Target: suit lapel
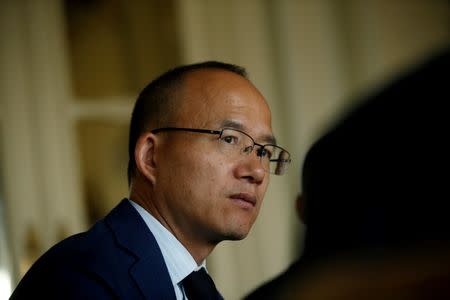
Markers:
(149, 270)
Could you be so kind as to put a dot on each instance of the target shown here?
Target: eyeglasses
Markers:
(236, 143)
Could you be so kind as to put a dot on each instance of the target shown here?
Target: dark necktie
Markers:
(198, 286)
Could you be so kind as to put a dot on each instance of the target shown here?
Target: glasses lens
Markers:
(235, 143)
(274, 159)
(279, 162)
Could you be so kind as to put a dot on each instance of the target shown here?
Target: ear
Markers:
(144, 155)
(300, 206)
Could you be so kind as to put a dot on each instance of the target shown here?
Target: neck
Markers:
(192, 240)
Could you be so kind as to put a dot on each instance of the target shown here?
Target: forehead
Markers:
(213, 97)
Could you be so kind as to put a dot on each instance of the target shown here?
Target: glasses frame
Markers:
(220, 132)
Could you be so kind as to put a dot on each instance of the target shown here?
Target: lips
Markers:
(245, 199)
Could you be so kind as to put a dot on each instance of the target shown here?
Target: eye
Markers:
(230, 139)
(264, 152)
(247, 150)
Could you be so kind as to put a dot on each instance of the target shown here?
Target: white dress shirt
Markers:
(179, 261)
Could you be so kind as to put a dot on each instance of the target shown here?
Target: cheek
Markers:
(198, 175)
(212, 175)
(264, 185)
(206, 175)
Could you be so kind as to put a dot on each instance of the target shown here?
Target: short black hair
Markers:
(154, 104)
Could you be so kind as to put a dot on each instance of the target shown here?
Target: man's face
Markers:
(204, 194)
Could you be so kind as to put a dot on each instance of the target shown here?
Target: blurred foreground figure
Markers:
(375, 192)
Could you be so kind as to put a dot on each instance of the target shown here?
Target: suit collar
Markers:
(179, 261)
(149, 270)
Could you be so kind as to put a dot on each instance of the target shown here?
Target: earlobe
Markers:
(144, 155)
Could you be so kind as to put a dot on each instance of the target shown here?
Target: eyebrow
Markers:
(268, 138)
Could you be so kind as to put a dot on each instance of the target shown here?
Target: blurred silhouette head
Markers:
(378, 179)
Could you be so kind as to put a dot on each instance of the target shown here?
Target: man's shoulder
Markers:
(80, 250)
(97, 244)
(93, 259)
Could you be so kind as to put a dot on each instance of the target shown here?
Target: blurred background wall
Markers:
(71, 70)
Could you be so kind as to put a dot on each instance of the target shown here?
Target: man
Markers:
(374, 198)
(201, 149)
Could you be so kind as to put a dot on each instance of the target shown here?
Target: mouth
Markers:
(244, 200)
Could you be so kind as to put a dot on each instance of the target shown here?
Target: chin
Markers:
(236, 228)
(236, 235)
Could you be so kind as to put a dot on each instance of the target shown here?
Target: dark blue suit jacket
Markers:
(118, 258)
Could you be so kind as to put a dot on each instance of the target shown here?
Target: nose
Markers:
(250, 168)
